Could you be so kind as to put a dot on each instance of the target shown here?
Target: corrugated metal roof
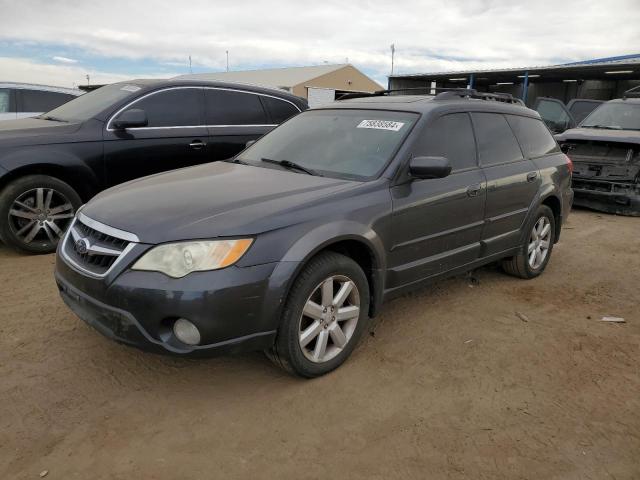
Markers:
(271, 77)
(617, 61)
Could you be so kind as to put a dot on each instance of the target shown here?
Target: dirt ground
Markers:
(503, 378)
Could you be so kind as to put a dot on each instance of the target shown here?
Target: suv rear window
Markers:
(228, 107)
(279, 110)
(41, 101)
(496, 142)
(534, 136)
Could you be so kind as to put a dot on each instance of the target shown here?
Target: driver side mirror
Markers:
(131, 119)
(429, 167)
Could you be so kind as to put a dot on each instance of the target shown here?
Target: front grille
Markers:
(93, 249)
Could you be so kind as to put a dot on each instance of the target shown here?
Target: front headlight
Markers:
(180, 259)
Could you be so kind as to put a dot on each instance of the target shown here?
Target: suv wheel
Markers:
(536, 250)
(35, 211)
(324, 316)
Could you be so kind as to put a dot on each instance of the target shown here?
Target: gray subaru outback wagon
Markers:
(292, 246)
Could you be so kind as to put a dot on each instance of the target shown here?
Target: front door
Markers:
(175, 136)
(437, 223)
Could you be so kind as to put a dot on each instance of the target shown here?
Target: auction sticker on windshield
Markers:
(381, 125)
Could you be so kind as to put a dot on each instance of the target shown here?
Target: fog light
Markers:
(186, 332)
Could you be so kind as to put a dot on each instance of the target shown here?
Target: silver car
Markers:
(21, 100)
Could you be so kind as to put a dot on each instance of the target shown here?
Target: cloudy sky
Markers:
(60, 42)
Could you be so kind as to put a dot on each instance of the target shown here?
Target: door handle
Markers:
(531, 176)
(473, 190)
(197, 144)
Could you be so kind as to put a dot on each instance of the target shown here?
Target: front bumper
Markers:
(236, 309)
(621, 198)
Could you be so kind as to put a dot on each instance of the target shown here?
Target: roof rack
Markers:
(632, 93)
(442, 94)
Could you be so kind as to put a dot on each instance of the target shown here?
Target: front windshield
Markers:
(90, 104)
(616, 116)
(350, 144)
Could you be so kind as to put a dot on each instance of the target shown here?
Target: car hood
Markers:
(600, 135)
(32, 131)
(212, 200)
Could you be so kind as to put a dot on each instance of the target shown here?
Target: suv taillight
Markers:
(570, 164)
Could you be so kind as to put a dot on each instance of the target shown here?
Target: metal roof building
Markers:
(601, 79)
(318, 84)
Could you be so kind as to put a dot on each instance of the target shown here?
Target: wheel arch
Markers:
(361, 245)
(84, 183)
(554, 203)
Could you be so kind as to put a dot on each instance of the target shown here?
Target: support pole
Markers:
(525, 87)
(471, 81)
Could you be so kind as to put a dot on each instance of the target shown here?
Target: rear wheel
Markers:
(536, 250)
(324, 316)
(35, 211)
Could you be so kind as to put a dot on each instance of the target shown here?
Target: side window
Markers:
(534, 136)
(581, 108)
(41, 101)
(227, 107)
(177, 107)
(5, 101)
(451, 136)
(496, 143)
(279, 110)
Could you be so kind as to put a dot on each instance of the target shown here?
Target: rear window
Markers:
(228, 107)
(41, 101)
(534, 136)
(279, 110)
(496, 142)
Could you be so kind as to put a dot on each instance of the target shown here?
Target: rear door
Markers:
(437, 223)
(175, 136)
(233, 118)
(512, 181)
(7, 104)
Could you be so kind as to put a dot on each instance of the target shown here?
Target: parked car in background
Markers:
(605, 150)
(51, 164)
(559, 117)
(22, 100)
(292, 246)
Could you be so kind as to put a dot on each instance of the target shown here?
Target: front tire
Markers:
(324, 316)
(35, 211)
(536, 249)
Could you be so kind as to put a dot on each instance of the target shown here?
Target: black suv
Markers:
(51, 164)
(292, 246)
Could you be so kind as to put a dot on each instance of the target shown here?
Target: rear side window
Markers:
(451, 136)
(534, 136)
(178, 107)
(5, 100)
(279, 110)
(41, 101)
(227, 107)
(496, 142)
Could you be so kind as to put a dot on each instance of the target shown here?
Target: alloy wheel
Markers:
(329, 318)
(539, 243)
(40, 215)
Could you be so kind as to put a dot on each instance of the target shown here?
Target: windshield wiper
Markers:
(292, 165)
(604, 127)
(54, 119)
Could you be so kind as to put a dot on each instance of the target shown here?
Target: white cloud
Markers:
(22, 70)
(64, 60)
(429, 35)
